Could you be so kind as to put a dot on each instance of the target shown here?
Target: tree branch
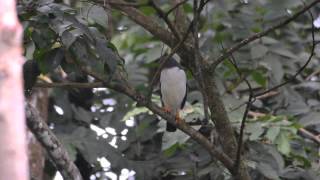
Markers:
(180, 18)
(148, 22)
(54, 148)
(309, 135)
(175, 7)
(246, 41)
(69, 85)
(129, 4)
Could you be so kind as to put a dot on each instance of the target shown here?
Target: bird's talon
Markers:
(178, 119)
(167, 110)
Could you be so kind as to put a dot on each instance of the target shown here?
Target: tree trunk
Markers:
(13, 149)
(223, 124)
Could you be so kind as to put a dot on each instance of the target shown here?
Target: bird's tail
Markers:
(170, 127)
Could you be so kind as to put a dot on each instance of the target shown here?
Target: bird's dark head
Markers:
(171, 62)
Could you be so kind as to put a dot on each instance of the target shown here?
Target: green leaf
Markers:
(142, 127)
(97, 14)
(50, 60)
(171, 150)
(82, 115)
(147, 10)
(153, 54)
(255, 131)
(112, 46)
(79, 50)
(268, 40)
(259, 78)
(107, 56)
(40, 41)
(68, 38)
(135, 112)
(275, 66)
(187, 8)
(284, 52)
(72, 152)
(69, 67)
(310, 119)
(171, 138)
(29, 50)
(258, 51)
(221, 36)
(283, 144)
(231, 69)
(268, 171)
(230, 103)
(256, 29)
(272, 133)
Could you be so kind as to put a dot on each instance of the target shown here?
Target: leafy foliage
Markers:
(100, 123)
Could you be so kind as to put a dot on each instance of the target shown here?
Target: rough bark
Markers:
(180, 19)
(13, 149)
(54, 148)
(220, 118)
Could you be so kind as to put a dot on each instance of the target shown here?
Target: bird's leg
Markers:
(166, 109)
(178, 118)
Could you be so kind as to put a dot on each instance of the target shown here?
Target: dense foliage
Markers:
(110, 134)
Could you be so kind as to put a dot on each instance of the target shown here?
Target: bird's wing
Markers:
(184, 98)
(162, 103)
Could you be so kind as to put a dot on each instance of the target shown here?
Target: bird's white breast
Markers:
(173, 87)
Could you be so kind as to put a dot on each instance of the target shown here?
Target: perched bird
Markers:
(173, 88)
(30, 73)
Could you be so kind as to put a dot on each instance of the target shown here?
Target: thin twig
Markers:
(267, 95)
(270, 94)
(313, 74)
(109, 30)
(309, 135)
(197, 57)
(165, 18)
(202, 5)
(125, 4)
(242, 127)
(69, 85)
(175, 7)
(245, 114)
(136, 5)
(246, 41)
